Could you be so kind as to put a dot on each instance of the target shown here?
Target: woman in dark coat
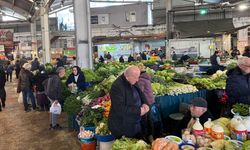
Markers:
(76, 77)
(2, 90)
(42, 100)
(145, 84)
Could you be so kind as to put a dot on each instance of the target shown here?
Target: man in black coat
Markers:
(128, 105)
(2, 90)
(238, 82)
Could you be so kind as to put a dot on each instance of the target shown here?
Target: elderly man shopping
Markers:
(238, 82)
(128, 105)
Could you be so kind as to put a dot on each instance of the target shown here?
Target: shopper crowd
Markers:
(131, 93)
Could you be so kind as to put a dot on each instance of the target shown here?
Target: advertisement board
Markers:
(6, 39)
(116, 50)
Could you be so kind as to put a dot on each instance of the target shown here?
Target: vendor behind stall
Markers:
(184, 58)
(215, 62)
(198, 109)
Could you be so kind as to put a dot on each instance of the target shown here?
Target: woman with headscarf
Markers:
(76, 78)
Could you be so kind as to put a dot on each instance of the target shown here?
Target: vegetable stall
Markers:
(91, 107)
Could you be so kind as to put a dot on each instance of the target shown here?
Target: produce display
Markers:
(241, 109)
(72, 105)
(102, 128)
(130, 144)
(94, 106)
(226, 145)
(91, 76)
(91, 116)
(174, 139)
(231, 64)
(246, 145)
(164, 144)
(86, 134)
(159, 89)
(179, 88)
(105, 85)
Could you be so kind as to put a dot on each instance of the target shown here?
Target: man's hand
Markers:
(144, 109)
(56, 101)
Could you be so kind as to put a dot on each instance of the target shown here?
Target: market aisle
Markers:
(29, 131)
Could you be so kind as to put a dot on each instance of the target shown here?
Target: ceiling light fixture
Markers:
(36, 8)
(243, 7)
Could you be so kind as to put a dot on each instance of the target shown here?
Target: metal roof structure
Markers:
(21, 9)
(26, 9)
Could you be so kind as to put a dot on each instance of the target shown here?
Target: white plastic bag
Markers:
(20, 98)
(55, 108)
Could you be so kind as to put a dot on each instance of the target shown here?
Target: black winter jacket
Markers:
(2, 78)
(238, 87)
(25, 80)
(80, 81)
(124, 113)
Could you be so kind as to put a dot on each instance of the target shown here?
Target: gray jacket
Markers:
(53, 87)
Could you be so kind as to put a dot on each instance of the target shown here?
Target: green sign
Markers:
(69, 52)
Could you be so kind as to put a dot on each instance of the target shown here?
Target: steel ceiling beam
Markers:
(17, 9)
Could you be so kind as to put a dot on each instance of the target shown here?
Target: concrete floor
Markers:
(20, 130)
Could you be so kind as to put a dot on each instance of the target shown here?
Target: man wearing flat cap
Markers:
(197, 109)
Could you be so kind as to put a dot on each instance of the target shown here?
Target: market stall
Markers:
(91, 107)
(170, 104)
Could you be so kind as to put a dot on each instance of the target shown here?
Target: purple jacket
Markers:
(145, 86)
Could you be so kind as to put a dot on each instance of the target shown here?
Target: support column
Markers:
(150, 14)
(226, 40)
(169, 27)
(242, 41)
(45, 34)
(33, 39)
(83, 33)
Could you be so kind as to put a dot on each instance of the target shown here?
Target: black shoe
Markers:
(58, 126)
(52, 128)
(27, 110)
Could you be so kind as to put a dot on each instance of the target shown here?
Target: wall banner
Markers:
(6, 39)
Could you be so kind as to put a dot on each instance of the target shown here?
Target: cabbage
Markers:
(130, 144)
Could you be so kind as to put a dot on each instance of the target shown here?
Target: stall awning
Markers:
(206, 28)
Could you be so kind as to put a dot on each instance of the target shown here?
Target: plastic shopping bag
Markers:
(55, 108)
(20, 98)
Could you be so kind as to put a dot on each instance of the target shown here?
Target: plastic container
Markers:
(104, 138)
(239, 133)
(246, 123)
(88, 145)
(106, 145)
(217, 132)
(236, 120)
(197, 128)
(208, 126)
